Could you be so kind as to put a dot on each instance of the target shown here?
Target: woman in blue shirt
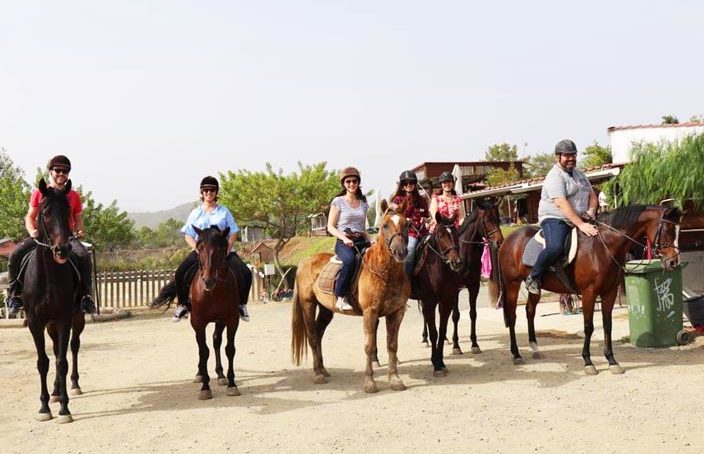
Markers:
(204, 216)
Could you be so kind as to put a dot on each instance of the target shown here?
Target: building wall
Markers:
(623, 139)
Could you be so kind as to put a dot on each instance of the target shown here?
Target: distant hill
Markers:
(152, 220)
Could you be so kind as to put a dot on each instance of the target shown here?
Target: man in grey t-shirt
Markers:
(566, 196)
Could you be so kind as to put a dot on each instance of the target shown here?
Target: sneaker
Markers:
(13, 304)
(244, 314)
(342, 304)
(181, 312)
(88, 305)
(533, 285)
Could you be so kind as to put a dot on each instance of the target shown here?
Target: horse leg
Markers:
(375, 355)
(203, 353)
(371, 321)
(43, 367)
(314, 341)
(217, 342)
(321, 323)
(445, 311)
(588, 313)
(531, 305)
(232, 389)
(51, 330)
(473, 289)
(77, 328)
(63, 334)
(393, 325)
(607, 305)
(429, 316)
(510, 298)
(456, 350)
(425, 335)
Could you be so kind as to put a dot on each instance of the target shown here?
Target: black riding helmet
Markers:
(408, 175)
(209, 183)
(446, 176)
(59, 161)
(565, 146)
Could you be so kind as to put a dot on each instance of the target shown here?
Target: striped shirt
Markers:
(576, 188)
(353, 218)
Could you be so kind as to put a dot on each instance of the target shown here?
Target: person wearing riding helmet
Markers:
(347, 222)
(416, 212)
(59, 168)
(448, 204)
(566, 197)
(203, 217)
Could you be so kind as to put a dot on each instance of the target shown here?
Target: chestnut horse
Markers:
(50, 295)
(214, 298)
(596, 271)
(382, 291)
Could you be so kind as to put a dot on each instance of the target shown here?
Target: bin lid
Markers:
(643, 266)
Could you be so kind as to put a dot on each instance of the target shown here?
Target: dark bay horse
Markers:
(214, 298)
(596, 271)
(437, 284)
(382, 291)
(483, 222)
(50, 295)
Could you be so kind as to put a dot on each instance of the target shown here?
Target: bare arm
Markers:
(231, 241)
(566, 208)
(333, 216)
(191, 241)
(78, 224)
(30, 222)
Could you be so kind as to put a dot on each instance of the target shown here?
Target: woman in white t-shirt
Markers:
(347, 222)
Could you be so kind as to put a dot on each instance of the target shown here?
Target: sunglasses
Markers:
(60, 170)
(409, 183)
(351, 181)
(206, 190)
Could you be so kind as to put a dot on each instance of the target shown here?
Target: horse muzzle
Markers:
(399, 254)
(61, 253)
(455, 265)
(670, 263)
(209, 284)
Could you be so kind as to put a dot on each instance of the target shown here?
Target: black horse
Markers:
(50, 294)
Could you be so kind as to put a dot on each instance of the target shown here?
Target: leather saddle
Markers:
(328, 277)
(536, 244)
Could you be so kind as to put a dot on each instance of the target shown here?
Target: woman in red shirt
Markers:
(448, 204)
(416, 212)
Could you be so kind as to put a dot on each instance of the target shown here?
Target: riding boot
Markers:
(13, 302)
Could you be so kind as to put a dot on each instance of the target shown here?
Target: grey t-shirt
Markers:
(559, 183)
(353, 218)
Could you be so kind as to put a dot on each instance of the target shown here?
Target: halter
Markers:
(485, 234)
(45, 237)
(443, 254)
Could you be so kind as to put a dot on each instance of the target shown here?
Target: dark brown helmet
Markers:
(59, 161)
(349, 172)
(408, 175)
(209, 183)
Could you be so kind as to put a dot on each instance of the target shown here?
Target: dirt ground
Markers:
(138, 396)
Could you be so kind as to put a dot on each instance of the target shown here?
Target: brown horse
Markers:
(596, 270)
(382, 291)
(214, 298)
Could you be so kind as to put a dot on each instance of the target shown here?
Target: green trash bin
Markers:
(654, 298)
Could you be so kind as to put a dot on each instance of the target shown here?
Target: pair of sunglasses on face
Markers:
(206, 190)
(60, 170)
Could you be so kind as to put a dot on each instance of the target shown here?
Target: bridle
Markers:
(443, 254)
(483, 231)
(45, 239)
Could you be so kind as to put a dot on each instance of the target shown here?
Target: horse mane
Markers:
(469, 219)
(623, 217)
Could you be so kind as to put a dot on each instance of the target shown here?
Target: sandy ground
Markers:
(138, 392)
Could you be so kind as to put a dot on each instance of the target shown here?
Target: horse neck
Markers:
(619, 241)
(379, 256)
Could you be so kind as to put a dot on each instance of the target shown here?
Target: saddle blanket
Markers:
(536, 244)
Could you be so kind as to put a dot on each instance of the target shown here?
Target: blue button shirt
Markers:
(220, 216)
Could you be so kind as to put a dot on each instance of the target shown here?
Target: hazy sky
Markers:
(147, 97)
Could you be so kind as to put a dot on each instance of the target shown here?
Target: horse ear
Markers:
(438, 217)
(43, 188)
(384, 205)
(226, 232)
(198, 231)
(402, 208)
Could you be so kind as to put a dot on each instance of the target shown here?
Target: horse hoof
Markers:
(198, 379)
(325, 372)
(590, 370)
(53, 399)
(63, 419)
(537, 355)
(440, 373)
(370, 387)
(76, 392)
(205, 394)
(233, 391)
(376, 363)
(320, 379)
(616, 369)
(518, 361)
(44, 416)
(476, 350)
(397, 385)
(222, 381)
(425, 344)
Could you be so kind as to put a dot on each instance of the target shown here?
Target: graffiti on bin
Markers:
(666, 299)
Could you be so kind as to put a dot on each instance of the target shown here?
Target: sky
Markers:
(147, 97)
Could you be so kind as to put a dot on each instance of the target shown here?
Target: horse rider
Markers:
(566, 198)
(448, 203)
(59, 168)
(416, 212)
(347, 222)
(210, 213)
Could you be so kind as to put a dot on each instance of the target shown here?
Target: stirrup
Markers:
(342, 304)
(13, 305)
(181, 313)
(88, 305)
(533, 285)
(244, 314)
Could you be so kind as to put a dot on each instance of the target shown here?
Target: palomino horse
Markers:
(483, 222)
(50, 295)
(382, 291)
(214, 298)
(596, 270)
(438, 284)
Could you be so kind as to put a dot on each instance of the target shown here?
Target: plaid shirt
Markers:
(449, 209)
(417, 215)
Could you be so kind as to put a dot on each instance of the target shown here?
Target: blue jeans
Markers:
(555, 233)
(411, 257)
(347, 256)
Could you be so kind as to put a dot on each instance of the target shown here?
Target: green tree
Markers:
(539, 165)
(595, 155)
(14, 194)
(106, 227)
(498, 177)
(661, 171)
(278, 202)
(696, 119)
(501, 152)
(166, 234)
(669, 120)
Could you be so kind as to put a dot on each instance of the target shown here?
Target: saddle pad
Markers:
(421, 255)
(328, 276)
(537, 244)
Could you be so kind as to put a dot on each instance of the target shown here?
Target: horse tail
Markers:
(299, 336)
(166, 296)
(496, 280)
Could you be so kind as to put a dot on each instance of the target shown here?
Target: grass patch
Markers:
(304, 247)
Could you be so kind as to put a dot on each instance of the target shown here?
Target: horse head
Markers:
(393, 230)
(212, 251)
(446, 241)
(663, 234)
(54, 213)
(483, 222)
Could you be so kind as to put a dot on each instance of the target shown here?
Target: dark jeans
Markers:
(347, 256)
(555, 233)
(79, 255)
(183, 277)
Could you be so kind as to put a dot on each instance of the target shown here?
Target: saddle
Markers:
(328, 277)
(536, 244)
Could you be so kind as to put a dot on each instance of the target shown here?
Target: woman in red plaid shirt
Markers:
(416, 211)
